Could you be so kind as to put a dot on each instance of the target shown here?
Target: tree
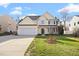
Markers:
(17, 19)
(64, 16)
(60, 30)
(76, 32)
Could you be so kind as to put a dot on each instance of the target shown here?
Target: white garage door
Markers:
(27, 31)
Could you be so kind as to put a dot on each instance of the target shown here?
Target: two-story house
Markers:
(33, 25)
(72, 25)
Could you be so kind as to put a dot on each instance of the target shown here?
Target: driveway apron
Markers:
(15, 46)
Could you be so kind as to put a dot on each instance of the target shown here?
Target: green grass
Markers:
(63, 47)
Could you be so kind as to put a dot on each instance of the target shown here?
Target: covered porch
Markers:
(47, 29)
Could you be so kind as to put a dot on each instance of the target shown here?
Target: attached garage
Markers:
(27, 26)
(27, 30)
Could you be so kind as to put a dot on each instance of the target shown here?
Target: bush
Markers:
(76, 32)
(60, 30)
(4, 33)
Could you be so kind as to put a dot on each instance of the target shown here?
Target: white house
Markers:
(33, 25)
(72, 25)
(7, 24)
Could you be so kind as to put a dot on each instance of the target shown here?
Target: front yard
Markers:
(64, 47)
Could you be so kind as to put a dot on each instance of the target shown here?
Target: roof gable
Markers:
(27, 20)
(47, 15)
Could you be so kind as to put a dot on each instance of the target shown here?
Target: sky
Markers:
(23, 9)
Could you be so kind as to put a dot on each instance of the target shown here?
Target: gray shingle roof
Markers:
(33, 17)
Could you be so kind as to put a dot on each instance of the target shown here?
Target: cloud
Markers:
(28, 8)
(70, 8)
(18, 8)
(5, 5)
(17, 11)
(32, 14)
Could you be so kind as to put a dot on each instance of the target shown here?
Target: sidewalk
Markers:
(15, 47)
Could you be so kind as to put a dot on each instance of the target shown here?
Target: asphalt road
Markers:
(11, 37)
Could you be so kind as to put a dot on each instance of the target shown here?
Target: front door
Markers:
(42, 31)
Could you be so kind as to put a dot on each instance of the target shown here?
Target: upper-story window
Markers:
(69, 25)
(48, 22)
(74, 24)
(78, 22)
(54, 22)
(42, 21)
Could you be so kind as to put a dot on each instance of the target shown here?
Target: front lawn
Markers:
(63, 47)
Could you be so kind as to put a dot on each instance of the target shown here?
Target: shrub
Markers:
(76, 32)
(4, 33)
(60, 30)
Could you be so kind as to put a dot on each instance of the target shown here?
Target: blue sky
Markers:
(23, 9)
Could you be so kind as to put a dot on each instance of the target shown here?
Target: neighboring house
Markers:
(72, 25)
(7, 24)
(33, 25)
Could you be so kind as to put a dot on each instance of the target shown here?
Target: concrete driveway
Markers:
(14, 45)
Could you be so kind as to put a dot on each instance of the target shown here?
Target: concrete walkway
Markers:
(16, 46)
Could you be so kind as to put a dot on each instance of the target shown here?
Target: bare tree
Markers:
(64, 17)
(17, 19)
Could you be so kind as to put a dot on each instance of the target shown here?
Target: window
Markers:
(54, 22)
(69, 25)
(42, 21)
(78, 22)
(54, 29)
(48, 22)
(74, 24)
(48, 29)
